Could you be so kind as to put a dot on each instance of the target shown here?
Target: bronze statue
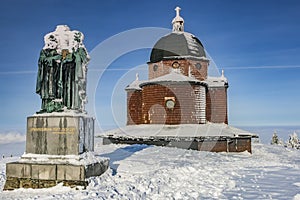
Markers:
(61, 79)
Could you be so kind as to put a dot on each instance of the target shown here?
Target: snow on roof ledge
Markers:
(135, 85)
(216, 81)
(180, 131)
(186, 57)
(174, 77)
(66, 112)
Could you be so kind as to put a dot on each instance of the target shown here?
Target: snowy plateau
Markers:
(151, 172)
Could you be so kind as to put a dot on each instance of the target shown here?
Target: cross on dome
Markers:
(177, 11)
(178, 21)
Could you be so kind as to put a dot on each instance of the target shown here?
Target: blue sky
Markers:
(257, 43)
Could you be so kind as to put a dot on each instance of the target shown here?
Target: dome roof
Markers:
(177, 45)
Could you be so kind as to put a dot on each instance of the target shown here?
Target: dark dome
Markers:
(176, 45)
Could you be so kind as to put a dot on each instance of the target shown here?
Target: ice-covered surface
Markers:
(135, 85)
(177, 17)
(86, 158)
(173, 76)
(63, 38)
(186, 57)
(216, 81)
(183, 130)
(66, 112)
(151, 172)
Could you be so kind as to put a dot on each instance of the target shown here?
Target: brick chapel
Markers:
(178, 89)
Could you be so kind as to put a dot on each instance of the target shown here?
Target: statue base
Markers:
(58, 149)
(43, 171)
(59, 134)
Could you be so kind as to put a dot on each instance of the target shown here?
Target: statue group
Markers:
(52, 138)
(62, 70)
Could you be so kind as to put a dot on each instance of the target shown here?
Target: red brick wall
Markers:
(213, 145)
(134, 107)
(216, 105)
(240, 145)
(199, 74)
(164, 67)
(148, 106)
(154, 110)
(233, 145)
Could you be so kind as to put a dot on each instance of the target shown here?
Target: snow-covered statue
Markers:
(61, 79)
(48, 74)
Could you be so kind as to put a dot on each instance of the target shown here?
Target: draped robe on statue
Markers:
(47, 78)
(74, 81)
(61, 80)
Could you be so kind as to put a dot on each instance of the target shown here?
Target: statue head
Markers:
(51, 41)
(62, 28)
(77, 40)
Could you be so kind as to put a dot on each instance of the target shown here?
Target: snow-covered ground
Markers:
(151, 172)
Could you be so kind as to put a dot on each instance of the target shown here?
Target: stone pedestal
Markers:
(43, 172)
(59, 135)
(58, 149)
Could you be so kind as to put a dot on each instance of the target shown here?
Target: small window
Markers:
(175, 65)
(155, 67)
(170, 103)
(198, 66)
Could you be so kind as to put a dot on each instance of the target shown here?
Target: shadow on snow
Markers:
(121, 154)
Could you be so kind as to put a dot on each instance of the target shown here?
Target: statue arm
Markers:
(51, 59)
(81, 59)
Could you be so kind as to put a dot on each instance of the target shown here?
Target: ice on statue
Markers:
(60, 137)
(62, 69)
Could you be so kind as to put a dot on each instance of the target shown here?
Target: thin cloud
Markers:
(17, 72)
(11, 137)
